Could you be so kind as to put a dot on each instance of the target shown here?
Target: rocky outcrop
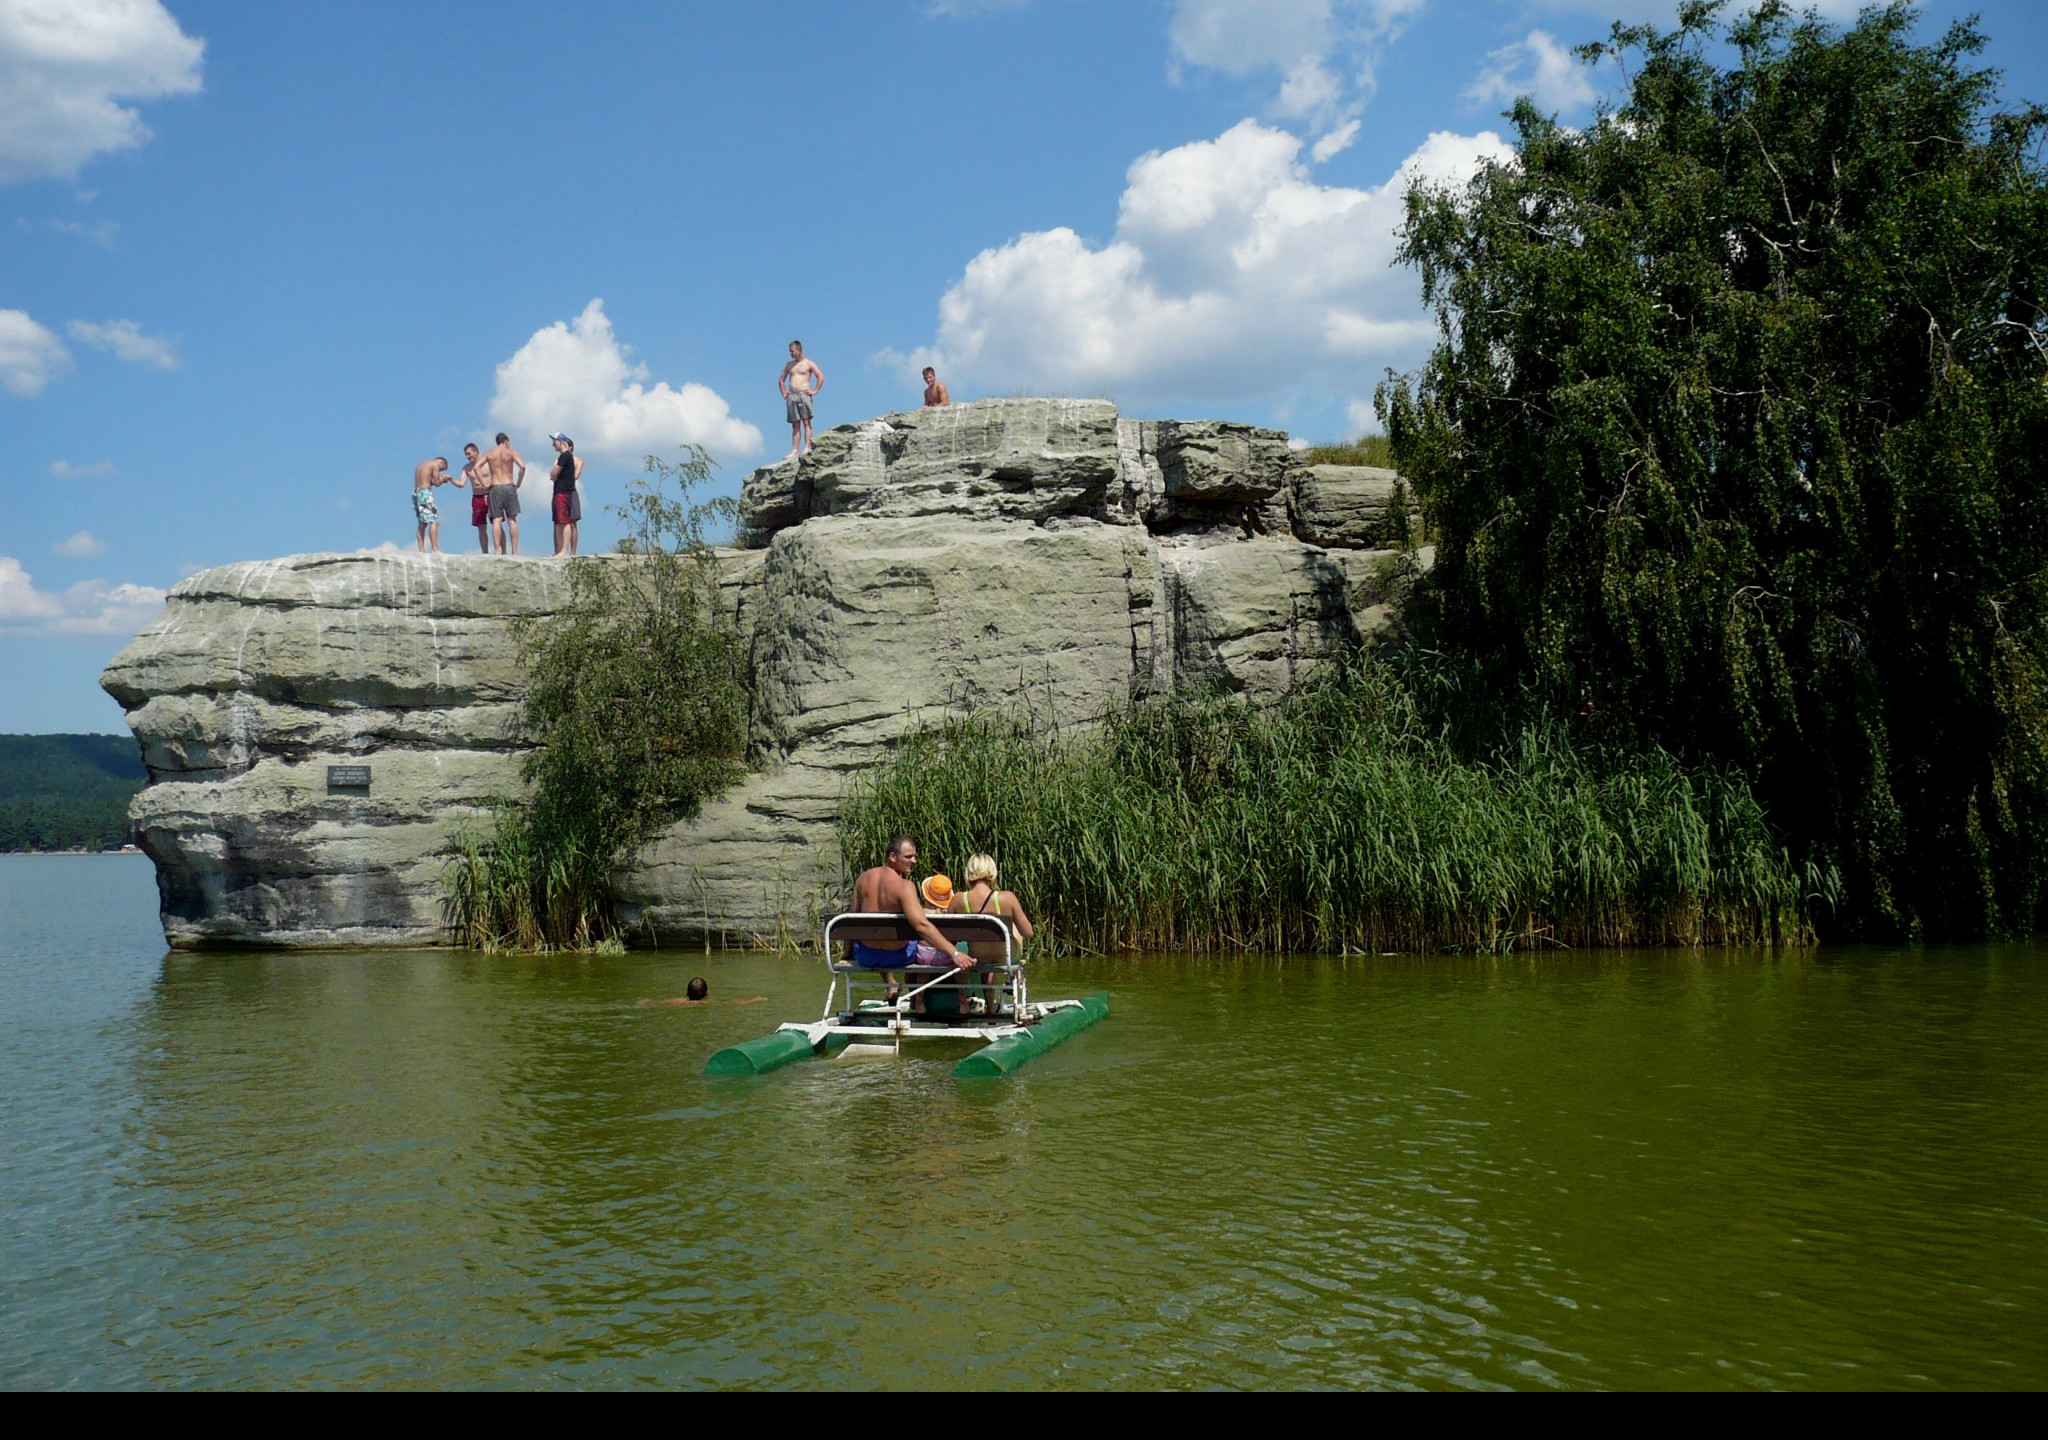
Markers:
(259, 676)
(1347, 506)
(1009, 551)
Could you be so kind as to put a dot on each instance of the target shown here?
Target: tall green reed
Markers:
(1334, 821)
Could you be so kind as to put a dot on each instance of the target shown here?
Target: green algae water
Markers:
(1641, 1169)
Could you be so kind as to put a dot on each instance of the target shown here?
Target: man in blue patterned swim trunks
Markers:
(886, 890)
(425, 476)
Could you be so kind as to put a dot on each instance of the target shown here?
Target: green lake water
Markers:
(1643, 1169)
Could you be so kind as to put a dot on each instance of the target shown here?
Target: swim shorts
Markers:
(424, 509)
(893, 957)
(504, 502)
(568, 508)
(480, 508)
(799, 406)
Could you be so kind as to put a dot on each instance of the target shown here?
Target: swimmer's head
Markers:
(698, 989)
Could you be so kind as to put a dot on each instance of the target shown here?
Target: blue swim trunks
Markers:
(893, 957)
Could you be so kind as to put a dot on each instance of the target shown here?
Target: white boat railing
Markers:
(895, 929)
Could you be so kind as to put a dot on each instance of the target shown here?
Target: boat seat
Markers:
(982, 934)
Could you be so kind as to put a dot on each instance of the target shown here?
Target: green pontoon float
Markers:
(989, 1004)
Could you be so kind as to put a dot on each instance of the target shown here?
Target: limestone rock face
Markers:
(1013, 551)
(1345, 506)
(1214, 460)
(1257, 616)
(997, 459)
(866, 628)
(259, 676)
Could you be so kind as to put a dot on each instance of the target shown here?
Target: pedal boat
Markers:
(936, 1002)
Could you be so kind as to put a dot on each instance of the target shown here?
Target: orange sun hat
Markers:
(936, 892)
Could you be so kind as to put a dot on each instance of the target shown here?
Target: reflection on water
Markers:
(1640, 1169)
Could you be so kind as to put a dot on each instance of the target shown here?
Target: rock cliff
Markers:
(985, 553)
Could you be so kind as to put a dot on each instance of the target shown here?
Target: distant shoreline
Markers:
(117, 850)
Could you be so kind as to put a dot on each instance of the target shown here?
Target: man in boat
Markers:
(886, 890)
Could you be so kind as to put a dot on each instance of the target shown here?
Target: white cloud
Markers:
(66, 66)
(1324, 51)
(91, 607)
(127, 340)
(1231, 274)
(65, 470)
(83, 546)
(29, 354)
(19, 599)
(1310, 92)
(1536, 66)
(575, 377)
(1337, 140)
(99, 232)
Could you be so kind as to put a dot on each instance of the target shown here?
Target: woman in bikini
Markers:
(983, 897)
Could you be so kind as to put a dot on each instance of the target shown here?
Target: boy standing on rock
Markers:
(425, 476)
(568, 505)
(801, 379)
(477, 471)
(508, 473)
(935, 394)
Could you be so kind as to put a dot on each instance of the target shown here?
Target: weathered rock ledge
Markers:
(982, 553)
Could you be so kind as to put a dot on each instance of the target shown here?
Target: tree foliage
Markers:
(637, 700)
(1735, 438)
(65, 792)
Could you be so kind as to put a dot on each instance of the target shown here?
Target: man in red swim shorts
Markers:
(478, 475)
(568, 504)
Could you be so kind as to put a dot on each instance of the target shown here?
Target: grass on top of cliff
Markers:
(1337, 820)
(1365, 450)
(637, 698)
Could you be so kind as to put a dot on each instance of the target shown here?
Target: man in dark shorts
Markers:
(508, 473)
(478, 474)
(801, 380)
(568, 505)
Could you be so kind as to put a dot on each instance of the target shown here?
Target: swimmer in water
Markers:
(699, 993)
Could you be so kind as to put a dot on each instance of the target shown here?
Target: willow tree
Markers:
(1736, 437)
(637, 706)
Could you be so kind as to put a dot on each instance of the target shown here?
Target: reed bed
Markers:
(1336, 821)
(511, 890)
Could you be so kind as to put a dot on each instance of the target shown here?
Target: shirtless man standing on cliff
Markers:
(801, 379)
(935, 394)
(508, 473)
(478, 476)
(886, 890)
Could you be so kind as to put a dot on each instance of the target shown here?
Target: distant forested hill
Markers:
(60, 792)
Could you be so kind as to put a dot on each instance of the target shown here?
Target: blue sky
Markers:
(258, 260)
